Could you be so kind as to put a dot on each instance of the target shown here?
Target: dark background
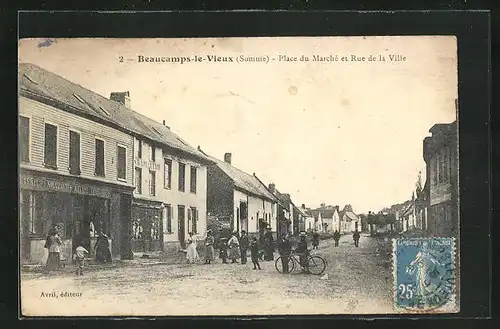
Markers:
(471, 28)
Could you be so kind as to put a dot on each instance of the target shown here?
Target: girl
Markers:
(192, 253)
(234, 248)
(209, 247)
(254, 252)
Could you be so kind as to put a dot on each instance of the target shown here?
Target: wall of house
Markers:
(257, 209)
(40, 113)
(171, 195)
(220, 198)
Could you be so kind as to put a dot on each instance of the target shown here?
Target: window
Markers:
(153, 153)
(99, 157)
(138, 180)
(122, 163)
(192, 187)
(168, 174)
(168, 209)
(50, 150)
(182, 176)
(24, 139)
(193, 220)
(434, 169)
(139, 149)
(446, 160)
(152, 182)
(74, 153)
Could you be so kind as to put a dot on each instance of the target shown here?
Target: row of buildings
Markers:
(92, 164)
(433, 209)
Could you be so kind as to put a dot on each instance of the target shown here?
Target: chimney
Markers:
(122, 98)
(272, 187)
(227, 158)
(164, 123)
(303, 206)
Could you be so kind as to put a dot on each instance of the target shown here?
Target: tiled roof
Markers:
(303, 212)
(242, 180)
(326, 212)
(350, 215)
(35, 81)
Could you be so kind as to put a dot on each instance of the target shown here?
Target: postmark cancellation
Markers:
(424, 275)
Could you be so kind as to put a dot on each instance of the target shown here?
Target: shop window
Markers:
(74, 153)
(24, 139)
(99, 157)
(50, 148)
(182, 177)
(168, 212)
(138, 180)
(167, 174)
(122, 162)
(192, 187)
(152, 183)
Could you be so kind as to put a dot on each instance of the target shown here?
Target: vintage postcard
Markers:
(238, 176)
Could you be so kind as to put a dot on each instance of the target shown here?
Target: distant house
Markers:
(284, 211)
(327, 218)
(237, 200)
(349, 221)
(300, 219)
(310, 221)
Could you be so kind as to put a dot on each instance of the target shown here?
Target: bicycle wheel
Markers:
(279, 265)
(316, 265)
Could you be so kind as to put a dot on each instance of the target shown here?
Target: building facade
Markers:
(239, 201)
(74, 172)
(441, 158)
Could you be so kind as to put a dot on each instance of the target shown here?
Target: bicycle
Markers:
(316, 265)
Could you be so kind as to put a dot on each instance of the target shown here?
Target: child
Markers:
(254, 252)
(80, 258)
(223, 250)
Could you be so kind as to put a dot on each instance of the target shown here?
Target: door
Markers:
(181, 224)
(126, 226)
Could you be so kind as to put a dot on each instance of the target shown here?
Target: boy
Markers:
(254, 252)
(80, 258)
(285, 249)
(315, 240)
(223, 250)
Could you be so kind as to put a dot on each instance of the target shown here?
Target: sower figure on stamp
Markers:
(254, 252)
(285, 249)
(355, 237)
(209, 247)
(244, 243)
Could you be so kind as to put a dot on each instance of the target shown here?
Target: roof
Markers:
(351, 215)
(242, 180)
(303, 212)
(326, 212)
(36, 82)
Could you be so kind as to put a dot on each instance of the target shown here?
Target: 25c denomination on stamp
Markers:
(424, 275)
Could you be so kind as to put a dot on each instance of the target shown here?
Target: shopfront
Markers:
(80, 207)
(147, 226)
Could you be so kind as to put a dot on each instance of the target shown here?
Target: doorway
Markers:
(243, 214)
(181, 224)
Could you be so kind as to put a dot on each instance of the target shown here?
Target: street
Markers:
(358, 281)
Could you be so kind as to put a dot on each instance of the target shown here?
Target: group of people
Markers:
(53, 244)
(285, 251)
(234, 248)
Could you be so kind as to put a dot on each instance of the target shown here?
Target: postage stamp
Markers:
(424, 275)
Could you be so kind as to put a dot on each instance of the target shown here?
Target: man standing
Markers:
(285, 249)
(355, 237)
(244, 243)
(315, 240)
(336, 238)
(269, 245)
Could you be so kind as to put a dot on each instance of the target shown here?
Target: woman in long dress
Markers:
(234, 248)
(191, 252)
(102, 252)
(209, 247)
(53, 244)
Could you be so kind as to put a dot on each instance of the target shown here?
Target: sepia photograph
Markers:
(238, 176)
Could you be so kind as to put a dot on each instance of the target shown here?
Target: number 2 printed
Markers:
(405, 291)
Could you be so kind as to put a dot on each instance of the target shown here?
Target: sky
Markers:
(334, 132)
